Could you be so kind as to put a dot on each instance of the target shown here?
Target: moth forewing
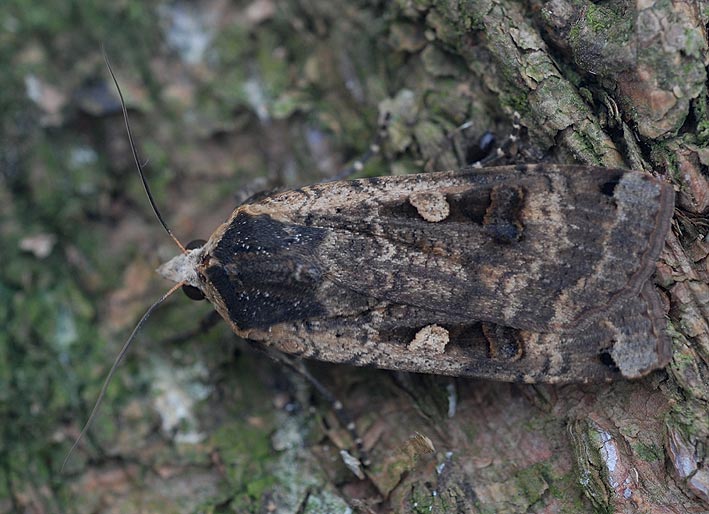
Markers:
(536, 273)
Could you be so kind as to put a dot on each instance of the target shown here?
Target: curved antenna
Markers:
(136, 158)
(116, 363)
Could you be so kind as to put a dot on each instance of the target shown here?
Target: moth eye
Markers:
(197, 243)
(193, 293)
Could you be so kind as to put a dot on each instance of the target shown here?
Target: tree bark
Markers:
(290, 91)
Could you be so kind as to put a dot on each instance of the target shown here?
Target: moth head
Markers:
(183, 268)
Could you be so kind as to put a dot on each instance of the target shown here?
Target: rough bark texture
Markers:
(226, 97)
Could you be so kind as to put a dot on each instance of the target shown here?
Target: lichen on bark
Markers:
(224, 94)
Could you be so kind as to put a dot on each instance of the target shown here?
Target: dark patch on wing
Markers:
(467, 338)
(266, 272)
(606, 359)
(504, 343)
(469, 206)
(398, 210)
(608, 187)
(502, 218)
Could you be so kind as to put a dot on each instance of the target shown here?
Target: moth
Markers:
(529, 273)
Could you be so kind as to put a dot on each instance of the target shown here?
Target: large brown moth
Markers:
(533, 273)
(529, 273)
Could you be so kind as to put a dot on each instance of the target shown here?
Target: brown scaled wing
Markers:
(528, 273)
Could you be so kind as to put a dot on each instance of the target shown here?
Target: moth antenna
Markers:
(136, 158)
(113, 369)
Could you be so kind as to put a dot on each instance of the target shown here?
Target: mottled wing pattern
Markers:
(512, 265)
(629, 343)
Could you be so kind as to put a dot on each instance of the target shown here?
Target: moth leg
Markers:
(343, 416)
(484, 146)
(490, 154)
(205, 325)
(374, 149)
(506, 149)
